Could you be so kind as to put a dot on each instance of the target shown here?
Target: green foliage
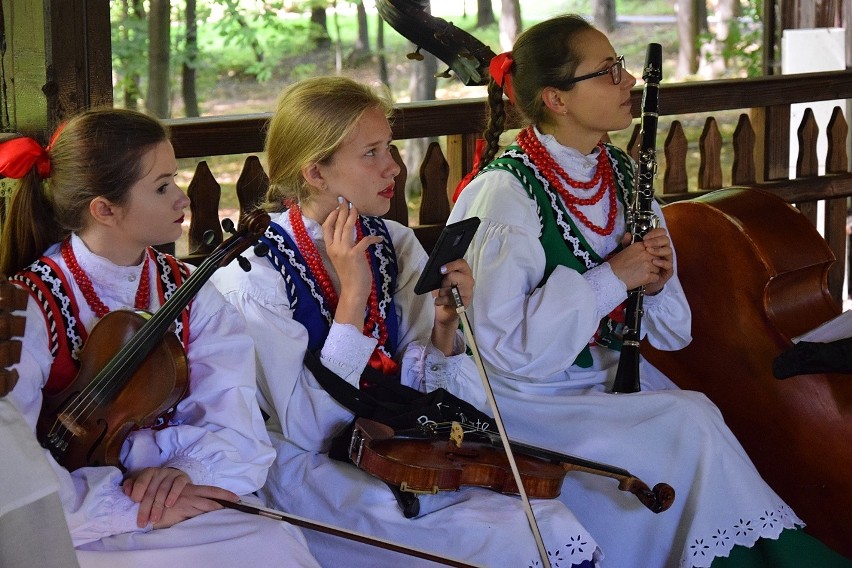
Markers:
(746, 42)
(743, 48)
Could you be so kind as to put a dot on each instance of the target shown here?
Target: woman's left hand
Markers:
(658, 244)
(155, 489)
(459, 274)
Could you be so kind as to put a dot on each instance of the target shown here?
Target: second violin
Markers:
(423, 462)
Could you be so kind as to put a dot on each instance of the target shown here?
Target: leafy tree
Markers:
(604, 14)
(130, 39)
(319, 26)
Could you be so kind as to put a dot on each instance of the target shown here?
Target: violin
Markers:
(12, 299)
(133, 371)
(420, 462)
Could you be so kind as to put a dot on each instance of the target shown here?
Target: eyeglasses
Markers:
(614, 71)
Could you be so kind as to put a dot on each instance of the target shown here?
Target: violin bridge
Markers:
(456, 434)
(70, 424)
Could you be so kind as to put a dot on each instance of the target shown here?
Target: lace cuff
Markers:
(609, 290)
(198, 473)
(346, 351)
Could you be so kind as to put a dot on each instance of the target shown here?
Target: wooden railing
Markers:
(759, 145)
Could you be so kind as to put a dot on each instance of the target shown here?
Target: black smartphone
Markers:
(452, 244)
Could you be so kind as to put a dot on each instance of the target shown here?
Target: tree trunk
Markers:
(604, 15)
(687, 33)
(361, 50)
(157, 99)
(131, 11)
(380, 47)
(190, 94)
(510, 23)
(319, 28)
(362, 42)
(422, 86)
(484, 13)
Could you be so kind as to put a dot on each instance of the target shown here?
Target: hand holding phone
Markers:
(451, 245)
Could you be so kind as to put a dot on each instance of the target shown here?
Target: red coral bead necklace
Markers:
(555, 175)
(317, 267)
(143, 292)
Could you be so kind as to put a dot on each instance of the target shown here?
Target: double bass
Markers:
(754, 270)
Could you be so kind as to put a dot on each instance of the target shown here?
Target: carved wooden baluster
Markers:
(252, 185)
(434, 203)
(836, 161)
(710, 148)
(675, 179)
(835, 209)
(204, 193)
(742, 171)
(399, 207)
(807, 163)
(434, 172)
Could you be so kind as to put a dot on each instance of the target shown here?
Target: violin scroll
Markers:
(656, 500)
(251, 227)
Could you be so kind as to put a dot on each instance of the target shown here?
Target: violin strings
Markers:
(104, 384)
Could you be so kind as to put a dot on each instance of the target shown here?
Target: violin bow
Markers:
(498, 419)
(336, 531)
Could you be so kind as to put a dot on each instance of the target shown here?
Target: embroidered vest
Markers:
(562, 241)
(304, 293)
(47, 284)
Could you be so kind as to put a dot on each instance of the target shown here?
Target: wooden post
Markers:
(57, 62)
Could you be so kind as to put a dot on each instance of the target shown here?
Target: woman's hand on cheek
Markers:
(350, 263)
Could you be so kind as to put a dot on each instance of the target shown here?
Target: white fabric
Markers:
(32, 526)
(473, 525)
(217, 437)
(530, 333)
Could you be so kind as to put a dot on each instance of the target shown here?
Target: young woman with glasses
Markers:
(553, 264)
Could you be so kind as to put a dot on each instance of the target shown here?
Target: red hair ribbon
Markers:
(19, 155)
(477, 156)
(500, 69)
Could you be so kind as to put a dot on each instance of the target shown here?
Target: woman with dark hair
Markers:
(553, 265)
(79, 238)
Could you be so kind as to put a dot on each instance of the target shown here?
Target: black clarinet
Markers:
(641, 218)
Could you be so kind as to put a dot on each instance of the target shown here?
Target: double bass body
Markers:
(755, 273)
